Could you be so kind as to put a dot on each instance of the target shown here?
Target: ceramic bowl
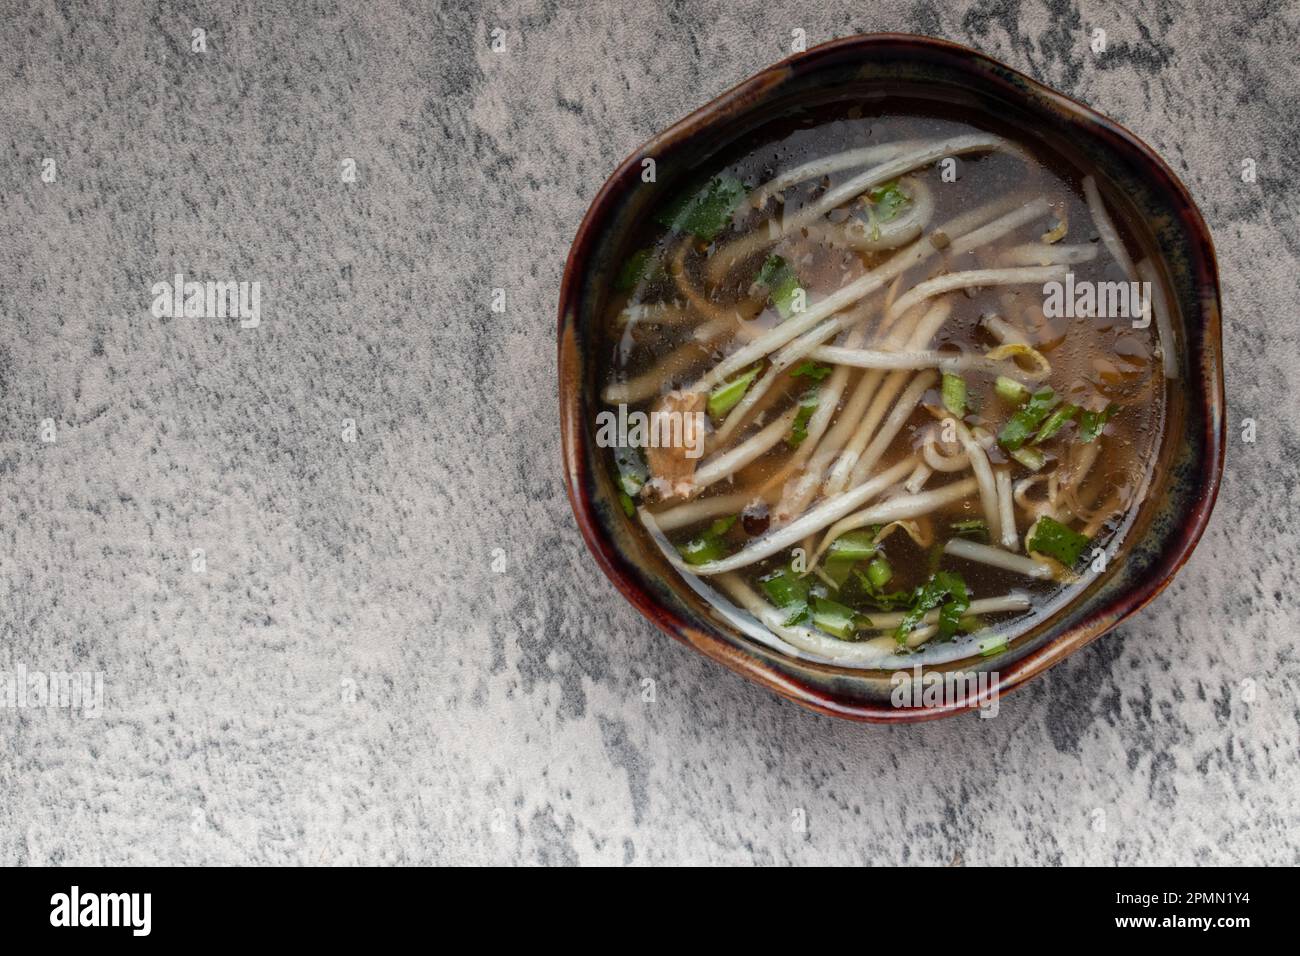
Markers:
(1168, 524)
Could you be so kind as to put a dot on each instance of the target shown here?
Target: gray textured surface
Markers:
(498, 717)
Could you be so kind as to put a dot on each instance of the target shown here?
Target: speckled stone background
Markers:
(349, 680)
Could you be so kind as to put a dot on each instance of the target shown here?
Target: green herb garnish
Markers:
(1091, 423)
(976, 529)
(954, 394)
(944, 590)
(1055, 422)
(834, 618)
(879, 573)
(711, 545)
(1055, 540)
(888, 201)
(811, 370)
(853, 545)
(707, 212)
(789, 592)
(1029, 456)
(727, 395)
(637, 267)
(631, 476)
(874, 595)
(1023, 423)
(1010, 389)
(799, 431)
(785, 588)
(781, 282)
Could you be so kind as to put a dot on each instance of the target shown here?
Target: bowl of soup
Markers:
(891, 368)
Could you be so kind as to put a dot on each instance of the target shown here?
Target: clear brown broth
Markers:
(1094, 361)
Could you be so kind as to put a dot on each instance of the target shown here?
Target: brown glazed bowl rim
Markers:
(737, 652)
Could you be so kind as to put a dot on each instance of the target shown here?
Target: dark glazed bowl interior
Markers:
(1175, 512)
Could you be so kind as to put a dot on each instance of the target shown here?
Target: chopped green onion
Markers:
(834, 618)
(976, 529)
(785, 588)
(1055, 422)
(631, 478)
(1030, 457)
(992, 645)
(703, 549)
(811, 370)
(800, 614)
(727, 395)
(945, 590)
(1010, 389)
(888, 201)
(876, 598)
(836, 571)
(846, 551)
(950, 615)
(954, 394)
(772, 271)
(934, 557)
(799, 431)
(853, 545)
(879, 573)
(790, 593)
(1023, 423)
(707, 212)
(885, 600)
(632, 471)
(1048, 536)
(633, 271)
(779, 277)
(710, 545)
(1091, 423)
